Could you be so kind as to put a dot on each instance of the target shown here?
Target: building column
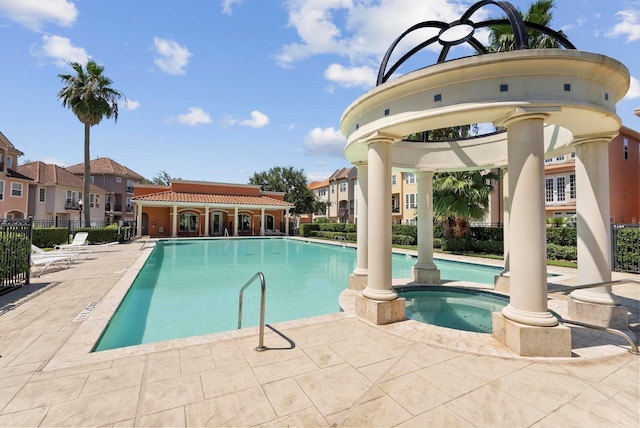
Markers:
(425, 271)
(262, 221)
(286, 222)
(139, 219)
(594, 305)
(174, 222)
(379, 303)
(235, 222)
(501, 281)
(358, 279)
(519, 324)
(206, 221)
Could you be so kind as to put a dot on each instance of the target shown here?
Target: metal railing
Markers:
(634, 347)
(261, 346)
(625, 247)
(15, 252)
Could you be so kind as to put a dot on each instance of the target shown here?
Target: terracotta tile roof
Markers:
(208, 198)
(318, 184)
(53, 175)
(106, 166)
(14, 174)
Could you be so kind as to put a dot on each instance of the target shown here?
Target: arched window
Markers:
(188, 222)
(244, 223)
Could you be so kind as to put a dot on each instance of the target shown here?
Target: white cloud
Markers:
(54, 161)
(634, 89)
(62, 51)
(325, 142)
(629, 27)
(131, 105)
(318, 175)
(171, 57)
(34, 13)
(360, 29)
(227, 5)
(196, 116)
(364, 77)
(258, 120)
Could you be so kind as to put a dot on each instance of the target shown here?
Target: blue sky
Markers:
(220, 89)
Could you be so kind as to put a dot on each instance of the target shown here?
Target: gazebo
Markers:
(544, 103)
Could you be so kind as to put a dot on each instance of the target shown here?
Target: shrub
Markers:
(14, 254)
(456, 244)
(627, 251)
(406, 230)
(565, 236)
(307, 228)
(482, 233)
(50, 237)
(560, 252)
(489, 247)
(402, 240)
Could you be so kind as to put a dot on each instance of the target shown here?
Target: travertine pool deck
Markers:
(341, 372)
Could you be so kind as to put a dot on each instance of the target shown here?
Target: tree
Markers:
(90, 97)
(162, 178)
(459, 197)
(501, 37)
(293, 183)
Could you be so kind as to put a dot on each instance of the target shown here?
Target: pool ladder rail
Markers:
(633, 346)
(263, 288)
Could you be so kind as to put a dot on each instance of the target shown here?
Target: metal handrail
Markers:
(634, 348)
(596, 284)
(261, 346)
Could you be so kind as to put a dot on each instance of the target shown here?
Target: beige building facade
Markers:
(14, 187)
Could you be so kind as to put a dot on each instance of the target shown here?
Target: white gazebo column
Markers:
(425, 271)
(501, 281)
(519, 324)
(206, 220)
(235, 221)
(379, 303)
(174, 222)
(358, 279)
(594, 305)
(139, 219)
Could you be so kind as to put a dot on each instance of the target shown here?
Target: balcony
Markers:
(395, 210)
(129, 189)
(117, 208)
(107, 206)
(71, 205)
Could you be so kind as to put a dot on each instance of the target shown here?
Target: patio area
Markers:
(342, 371)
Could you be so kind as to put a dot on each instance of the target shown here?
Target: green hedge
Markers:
(50, 237)
(627, 249)
(564, 236)
(561, 241)
(98, 235)
(14, 255)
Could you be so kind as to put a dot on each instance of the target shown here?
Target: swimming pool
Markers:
(190, 287)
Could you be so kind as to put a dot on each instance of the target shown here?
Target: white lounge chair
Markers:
(79, 243)
(39, 252)
(43, 262)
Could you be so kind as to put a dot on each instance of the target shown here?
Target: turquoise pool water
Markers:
(190, 287)
(457, 308)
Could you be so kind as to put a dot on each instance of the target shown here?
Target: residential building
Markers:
(560, 183)
(199, 208)
(341, 195)
(118, 181)
(14, 187)
(321, 191)
(55, 195)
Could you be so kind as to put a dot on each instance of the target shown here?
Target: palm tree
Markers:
(501, 37)
(460, 196)
(89, 96)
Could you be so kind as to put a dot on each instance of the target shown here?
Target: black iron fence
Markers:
(15, 250)
(625, 247)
